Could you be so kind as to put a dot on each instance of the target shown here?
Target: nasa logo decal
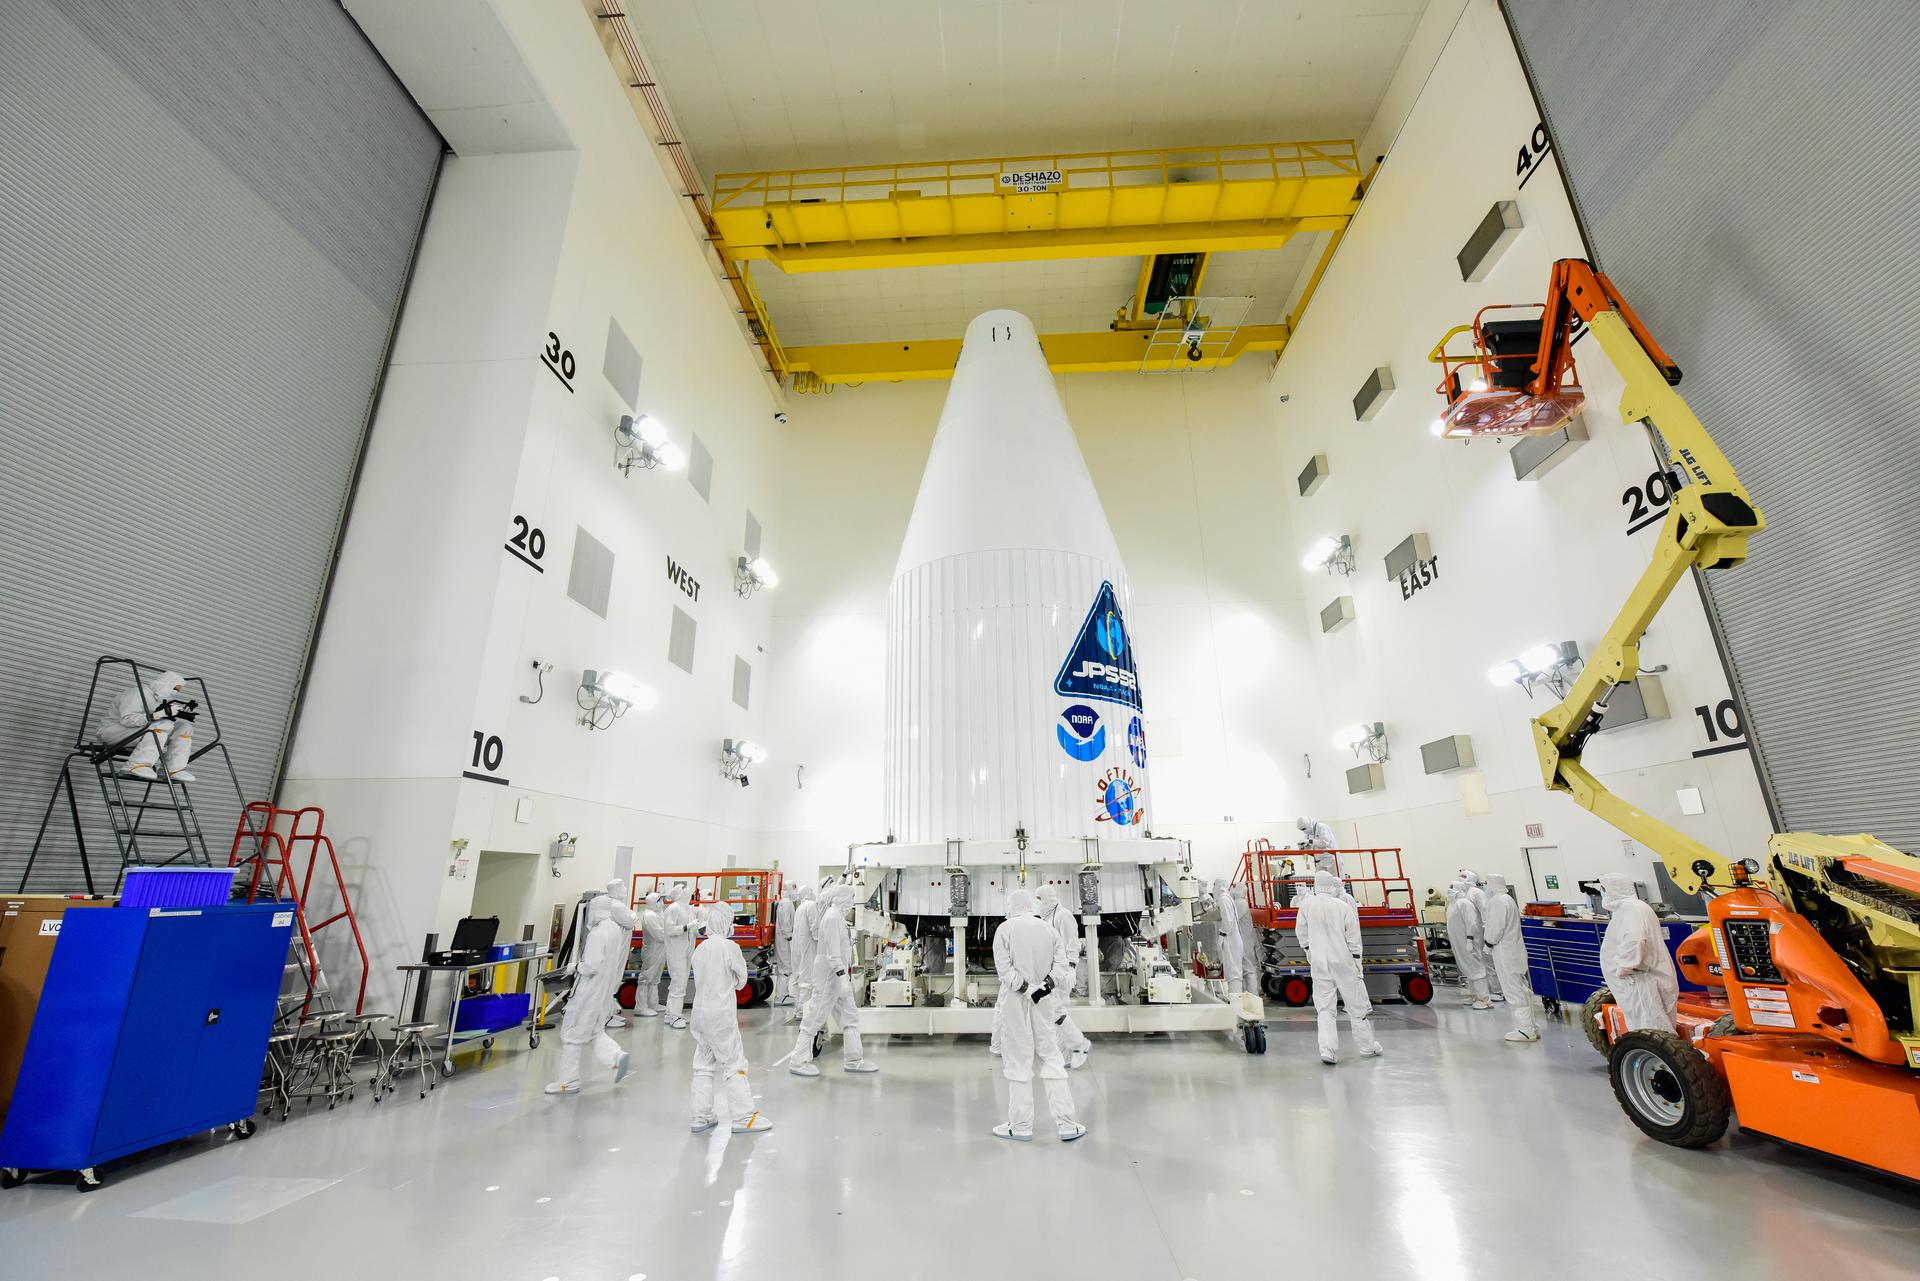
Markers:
(1137, 743)
(1080, 732)
(1119, 799)
(1100, 664)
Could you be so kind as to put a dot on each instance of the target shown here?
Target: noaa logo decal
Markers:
(1137, 743)
(1100, 664)
(1080, 732)
(1120, 801)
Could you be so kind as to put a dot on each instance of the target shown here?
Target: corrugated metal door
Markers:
(207, 212)
(1748, 175)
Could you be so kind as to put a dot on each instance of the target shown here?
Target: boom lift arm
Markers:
(1707, 527)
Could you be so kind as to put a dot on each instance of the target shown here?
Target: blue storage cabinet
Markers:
(1563, 954)
(152, 1026)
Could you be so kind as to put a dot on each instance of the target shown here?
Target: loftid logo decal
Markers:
(1081, 734)
(1100, 664)
(1120, 801)
(1137, 743)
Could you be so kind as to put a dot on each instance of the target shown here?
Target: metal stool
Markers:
(412, 1053)
(366, 1034)
(278, 1076)
(334, 1064)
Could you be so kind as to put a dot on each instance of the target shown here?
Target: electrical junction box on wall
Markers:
(1413, 549)
(1373, 394)
(1635, 702)
(1337, 615)
(1313, 475)
(1499, 229)
(1443, 754)
(1365, 778)
(1534, 456)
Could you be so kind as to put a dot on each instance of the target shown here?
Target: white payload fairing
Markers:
(1013, 695)
(1016, 749)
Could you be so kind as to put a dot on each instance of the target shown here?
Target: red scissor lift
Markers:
(1393, 954)
(750, 892)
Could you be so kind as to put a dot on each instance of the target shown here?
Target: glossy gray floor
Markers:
(1455, 1156)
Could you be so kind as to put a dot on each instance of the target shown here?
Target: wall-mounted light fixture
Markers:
(642, 441)
(749, 576)
(1554, 666)
(737, 756)
(563, 847)
(1369, 737)
(604, 697)
(1335, 555)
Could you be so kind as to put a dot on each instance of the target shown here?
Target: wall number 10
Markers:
(488, 751)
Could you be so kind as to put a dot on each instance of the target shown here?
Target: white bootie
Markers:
(755, 1124)
(1520, 1037)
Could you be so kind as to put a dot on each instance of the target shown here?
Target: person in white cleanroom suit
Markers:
(1634, 959)
(806, 915)
(1073, 1042)
(168, 722)
(1249, 941)
(1032, 965)
(1314, 835)
(653, 956)
(679, 919)
(623, 917)
(1231, 949)
(719, 969)
(832, 988)
(1328, 929)
(1501, 929)
(603, 959)
(783, 944)
(1463, 936)
(1477, 891)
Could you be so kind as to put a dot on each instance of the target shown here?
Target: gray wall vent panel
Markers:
(1373, 394)
(1313, 475)
(1365, 778)
(1337, 614)
(590, 580)
(1499, 229)
(621, 365)
(700, 469)
(1443, 754)
(1411, 550)
(1534, 456)
(742, 681)
(680, 640)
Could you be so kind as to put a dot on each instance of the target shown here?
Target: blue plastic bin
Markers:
(493, 1012)
(177, 886)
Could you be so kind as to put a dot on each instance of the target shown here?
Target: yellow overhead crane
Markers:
(1200, 200)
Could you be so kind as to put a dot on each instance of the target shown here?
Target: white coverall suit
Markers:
(719, 968)
(1502, 928)
(1026, 954)
(653, 957)
(1232, 969)
(603, 959)
(1073, 1042)
(1477, 892)
(617, 891)
(1463, 936)
(175, 734)
(679, 956)
(783, 944)
(1328, 928)
(1634, 959)
(805, 916)
(832, 988)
